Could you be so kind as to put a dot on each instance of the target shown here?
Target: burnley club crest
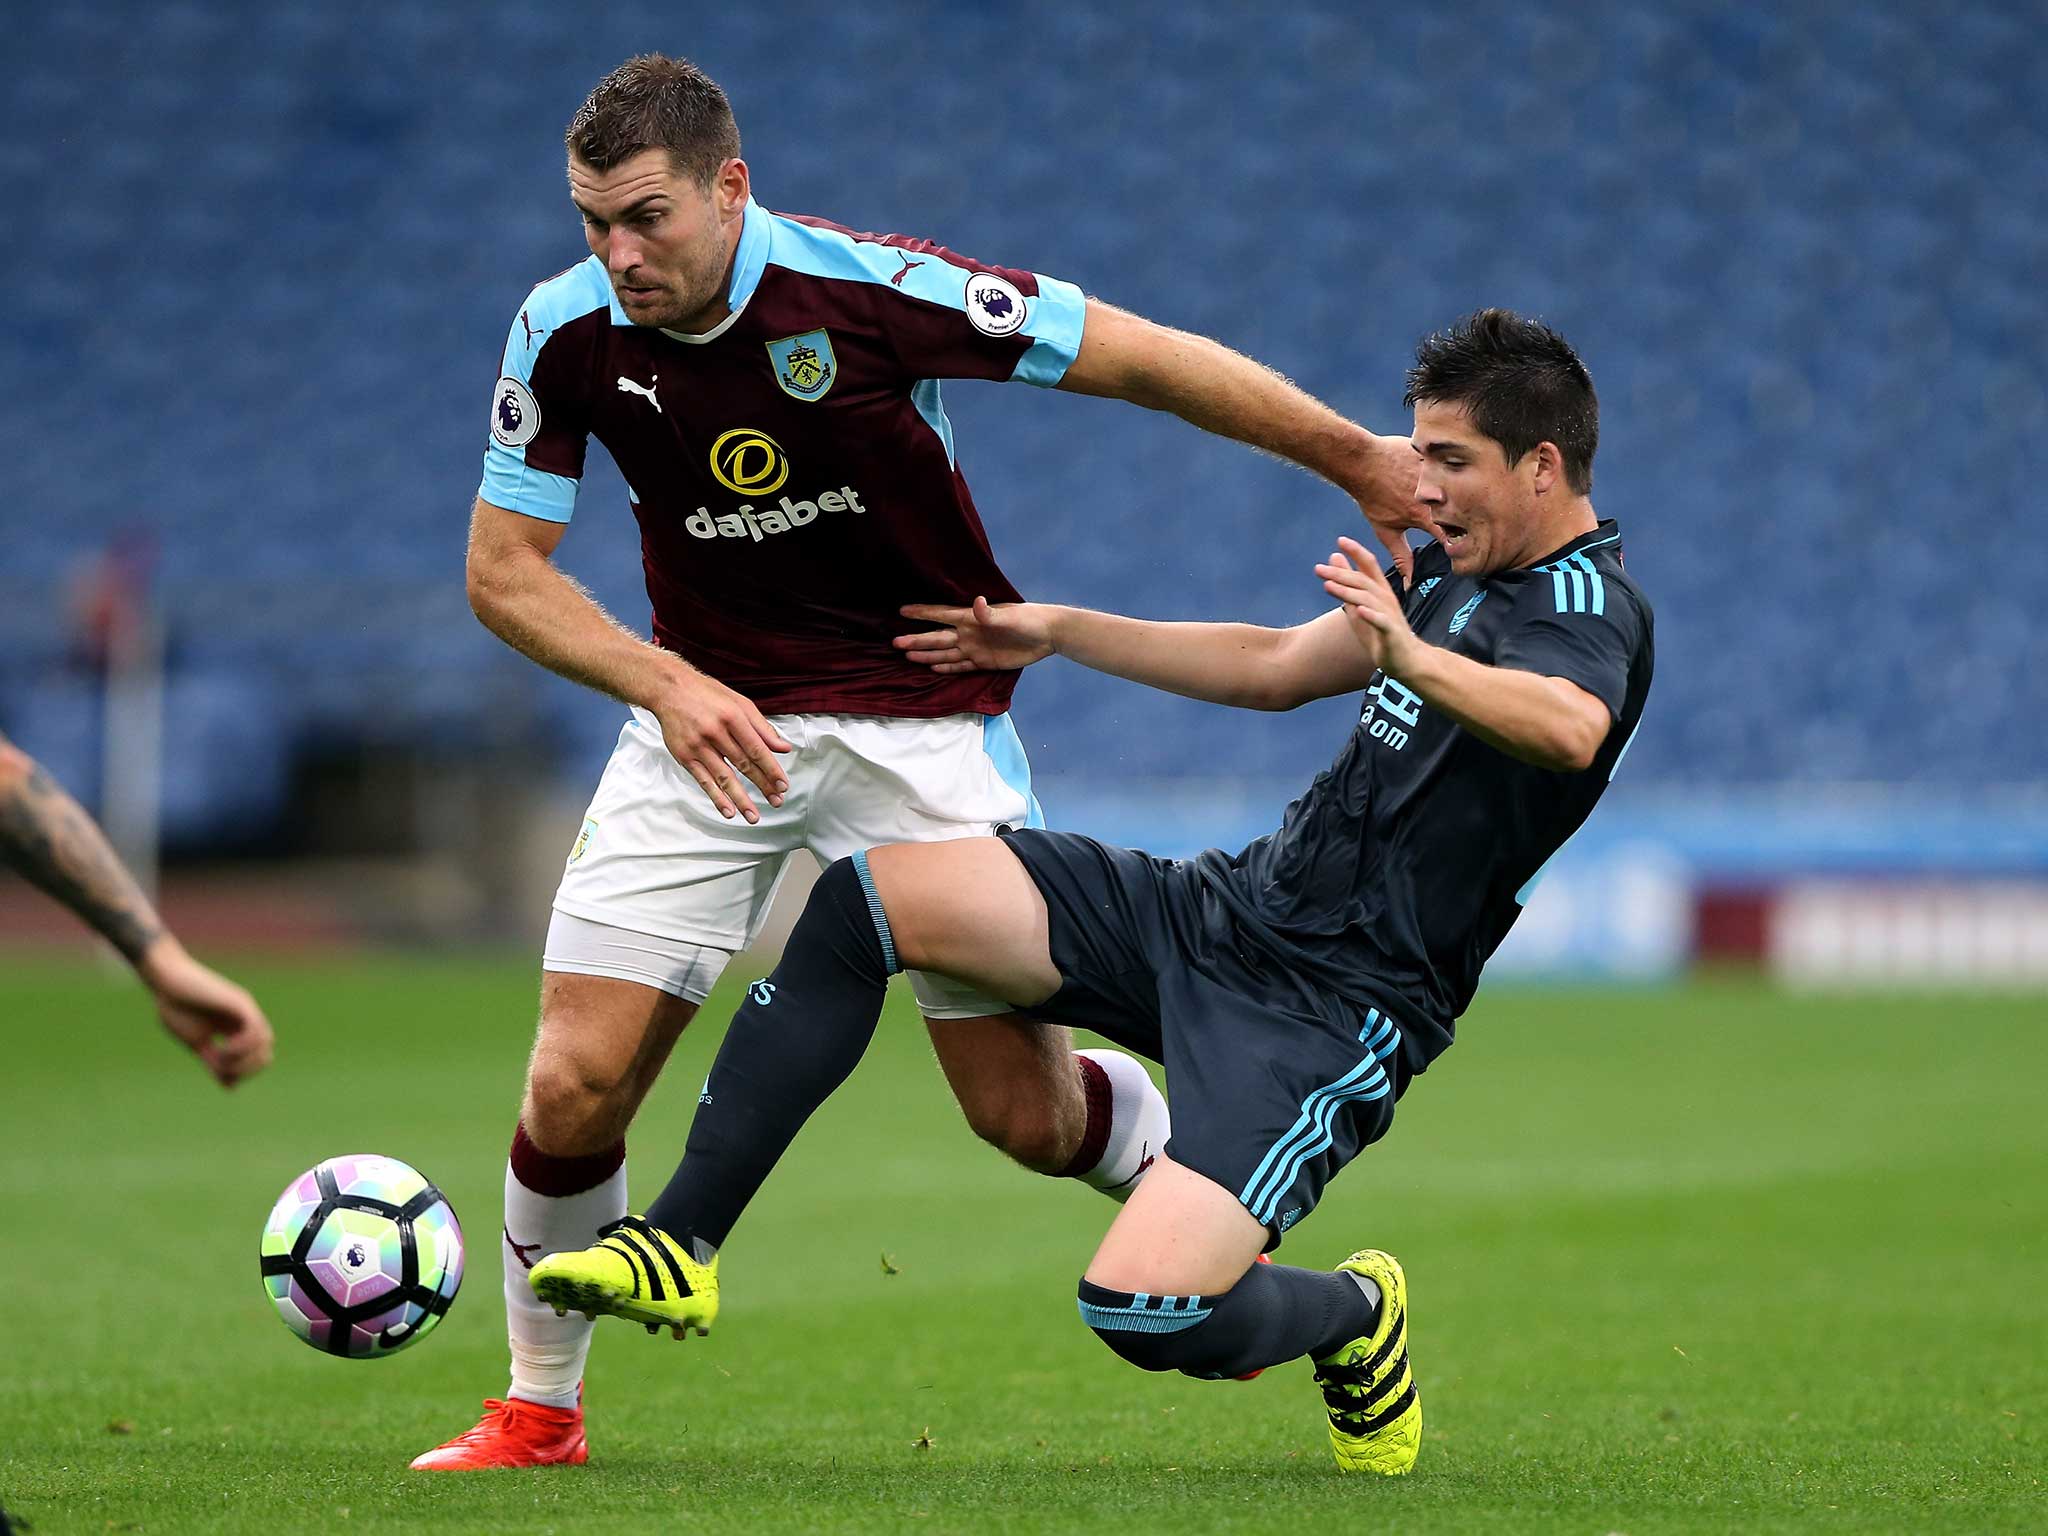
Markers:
(804, 365)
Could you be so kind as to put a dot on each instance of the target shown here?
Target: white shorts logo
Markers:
(995, 305)
(583, 839)
(515, 414)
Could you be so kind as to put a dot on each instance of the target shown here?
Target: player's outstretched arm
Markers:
(1126, 357)
(1245, 665)
(522, 597)
(48, 838)
(1548, 721)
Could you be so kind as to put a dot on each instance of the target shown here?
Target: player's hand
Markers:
(989, 637)
(218, 1021)
(1383, 485)
(721, 741)
(1353, 576)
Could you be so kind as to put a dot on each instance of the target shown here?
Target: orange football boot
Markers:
(513, 1433)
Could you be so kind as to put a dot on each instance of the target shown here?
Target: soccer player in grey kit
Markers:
(769, 386)
(1293, 989)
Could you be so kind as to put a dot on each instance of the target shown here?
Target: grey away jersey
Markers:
(1400, 870)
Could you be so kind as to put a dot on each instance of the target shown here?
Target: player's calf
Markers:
(1273, 1313)
(1017, 1084)
(1090, 1115)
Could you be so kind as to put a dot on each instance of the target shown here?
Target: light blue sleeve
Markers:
(1057, 316)
(986, 308)
(520, 413)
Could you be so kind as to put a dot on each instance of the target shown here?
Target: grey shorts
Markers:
(1274, 1084)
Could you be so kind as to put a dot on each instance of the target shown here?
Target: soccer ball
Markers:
(362, 1256)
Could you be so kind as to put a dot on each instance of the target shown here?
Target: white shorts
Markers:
(662, 890)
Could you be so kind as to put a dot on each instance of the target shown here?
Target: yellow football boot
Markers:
(1375, 1412)
(636, 1271)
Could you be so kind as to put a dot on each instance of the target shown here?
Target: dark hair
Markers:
(1521, 381)
(655, 102)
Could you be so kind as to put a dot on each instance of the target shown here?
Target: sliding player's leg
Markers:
(1277, 1084)
(1174, 1285)
(967, 910)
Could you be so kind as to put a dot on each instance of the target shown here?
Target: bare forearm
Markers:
(544, 614)
(1541, 720)
(47, 837)
(1251, 403)
(1209, 386)
(1232, 664)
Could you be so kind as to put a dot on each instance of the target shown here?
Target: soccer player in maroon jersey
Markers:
(769, 388)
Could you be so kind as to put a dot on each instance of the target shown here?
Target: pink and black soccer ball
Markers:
(362, 1256)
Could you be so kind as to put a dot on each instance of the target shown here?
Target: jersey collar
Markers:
(752, 259)
(1606, 531)
(748, 263)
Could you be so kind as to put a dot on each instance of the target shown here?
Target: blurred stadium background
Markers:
(258, 268)
(262, 260)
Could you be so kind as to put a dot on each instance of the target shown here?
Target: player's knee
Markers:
(1154, 1333)
(572, 1100)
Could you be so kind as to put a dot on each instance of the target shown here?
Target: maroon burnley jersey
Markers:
(793, 469)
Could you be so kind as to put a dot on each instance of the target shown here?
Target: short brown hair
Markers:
(655, 102)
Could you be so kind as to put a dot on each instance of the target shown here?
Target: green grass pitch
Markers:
(1708, 1259)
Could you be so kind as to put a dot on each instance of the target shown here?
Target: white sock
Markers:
(548, 1351)
(1138, 1125)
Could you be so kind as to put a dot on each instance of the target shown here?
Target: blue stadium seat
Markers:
(259, 310)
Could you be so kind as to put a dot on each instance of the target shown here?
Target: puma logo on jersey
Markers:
(531, 333)
(905, 270)
(627, 386)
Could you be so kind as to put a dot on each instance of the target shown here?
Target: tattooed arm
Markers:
(46, 836)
